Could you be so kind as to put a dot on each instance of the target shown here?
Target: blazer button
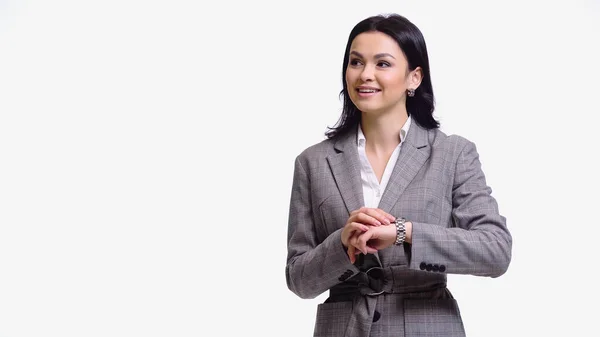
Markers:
(376, 316)
(345, 275)
(423, 265)
(436, 267)
(442, 268)
(429, 267)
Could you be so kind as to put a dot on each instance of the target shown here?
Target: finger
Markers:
(371, 250)
(368, 219)
(361, 241)
(345, 236)
(386, 215)
(360, 210)
(377, 213)
(381, 215)
(352, 253)
(357, 242)
(359, 227)
(352, 228)
(353, 241)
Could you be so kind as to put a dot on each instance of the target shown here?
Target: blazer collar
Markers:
(417, 136)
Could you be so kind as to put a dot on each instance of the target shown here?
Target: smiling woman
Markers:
(388, 205)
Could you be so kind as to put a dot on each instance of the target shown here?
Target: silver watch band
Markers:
(400, 231)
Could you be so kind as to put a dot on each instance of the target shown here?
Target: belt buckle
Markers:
(376, 280)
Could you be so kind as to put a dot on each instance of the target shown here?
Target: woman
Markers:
(388, 204)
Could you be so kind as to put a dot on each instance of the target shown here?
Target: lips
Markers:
(367, 90)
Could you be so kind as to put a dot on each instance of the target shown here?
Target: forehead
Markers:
(371, 43)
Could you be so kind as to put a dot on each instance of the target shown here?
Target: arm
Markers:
(312, 268)
(480, 243)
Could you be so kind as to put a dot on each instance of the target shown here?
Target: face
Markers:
(377, 74)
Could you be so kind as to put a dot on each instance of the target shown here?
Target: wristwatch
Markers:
(400, 231)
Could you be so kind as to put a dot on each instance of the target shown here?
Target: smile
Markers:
(367, 92)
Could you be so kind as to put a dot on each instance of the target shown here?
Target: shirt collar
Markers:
(403, 132)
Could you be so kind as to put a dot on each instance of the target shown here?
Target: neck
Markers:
(383, 131)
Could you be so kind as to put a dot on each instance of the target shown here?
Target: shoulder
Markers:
(316, 152)
(452, 143)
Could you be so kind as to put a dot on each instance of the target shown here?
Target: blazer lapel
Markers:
(345, 167)
(413, 154)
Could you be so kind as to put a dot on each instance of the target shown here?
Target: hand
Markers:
(376, 238)
(359, 222)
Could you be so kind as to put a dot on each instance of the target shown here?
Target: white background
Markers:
(147, 148)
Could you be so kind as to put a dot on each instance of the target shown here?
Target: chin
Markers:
(369, 108)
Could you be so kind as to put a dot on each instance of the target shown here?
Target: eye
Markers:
(355, 62)
(383, 64)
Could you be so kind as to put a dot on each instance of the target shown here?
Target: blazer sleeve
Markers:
(478, 242)
(312, 267)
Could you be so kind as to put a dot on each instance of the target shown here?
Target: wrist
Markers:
(403, 231)
(400, 224)
(408, 226)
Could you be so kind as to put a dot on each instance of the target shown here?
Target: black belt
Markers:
(373, 282)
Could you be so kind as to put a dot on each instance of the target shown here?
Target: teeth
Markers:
(367, 90)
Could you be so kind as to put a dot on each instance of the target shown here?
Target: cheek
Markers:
(393, 82)
(397, 86)
(350, 77)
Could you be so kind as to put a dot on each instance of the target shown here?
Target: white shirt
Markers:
(372, 189)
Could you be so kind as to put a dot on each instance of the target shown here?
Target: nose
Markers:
(367, 73)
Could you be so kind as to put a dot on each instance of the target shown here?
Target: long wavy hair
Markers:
(410, 39)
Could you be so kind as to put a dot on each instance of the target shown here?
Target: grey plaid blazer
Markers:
(438, 185)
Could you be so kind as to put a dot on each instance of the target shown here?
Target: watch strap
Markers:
(400, 231)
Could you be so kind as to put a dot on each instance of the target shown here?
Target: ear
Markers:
(414, 78)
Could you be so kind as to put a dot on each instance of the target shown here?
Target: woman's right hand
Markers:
(358, 222)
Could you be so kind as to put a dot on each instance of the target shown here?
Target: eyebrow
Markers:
(377, 56)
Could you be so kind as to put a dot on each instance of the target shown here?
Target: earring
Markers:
(411, 92)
